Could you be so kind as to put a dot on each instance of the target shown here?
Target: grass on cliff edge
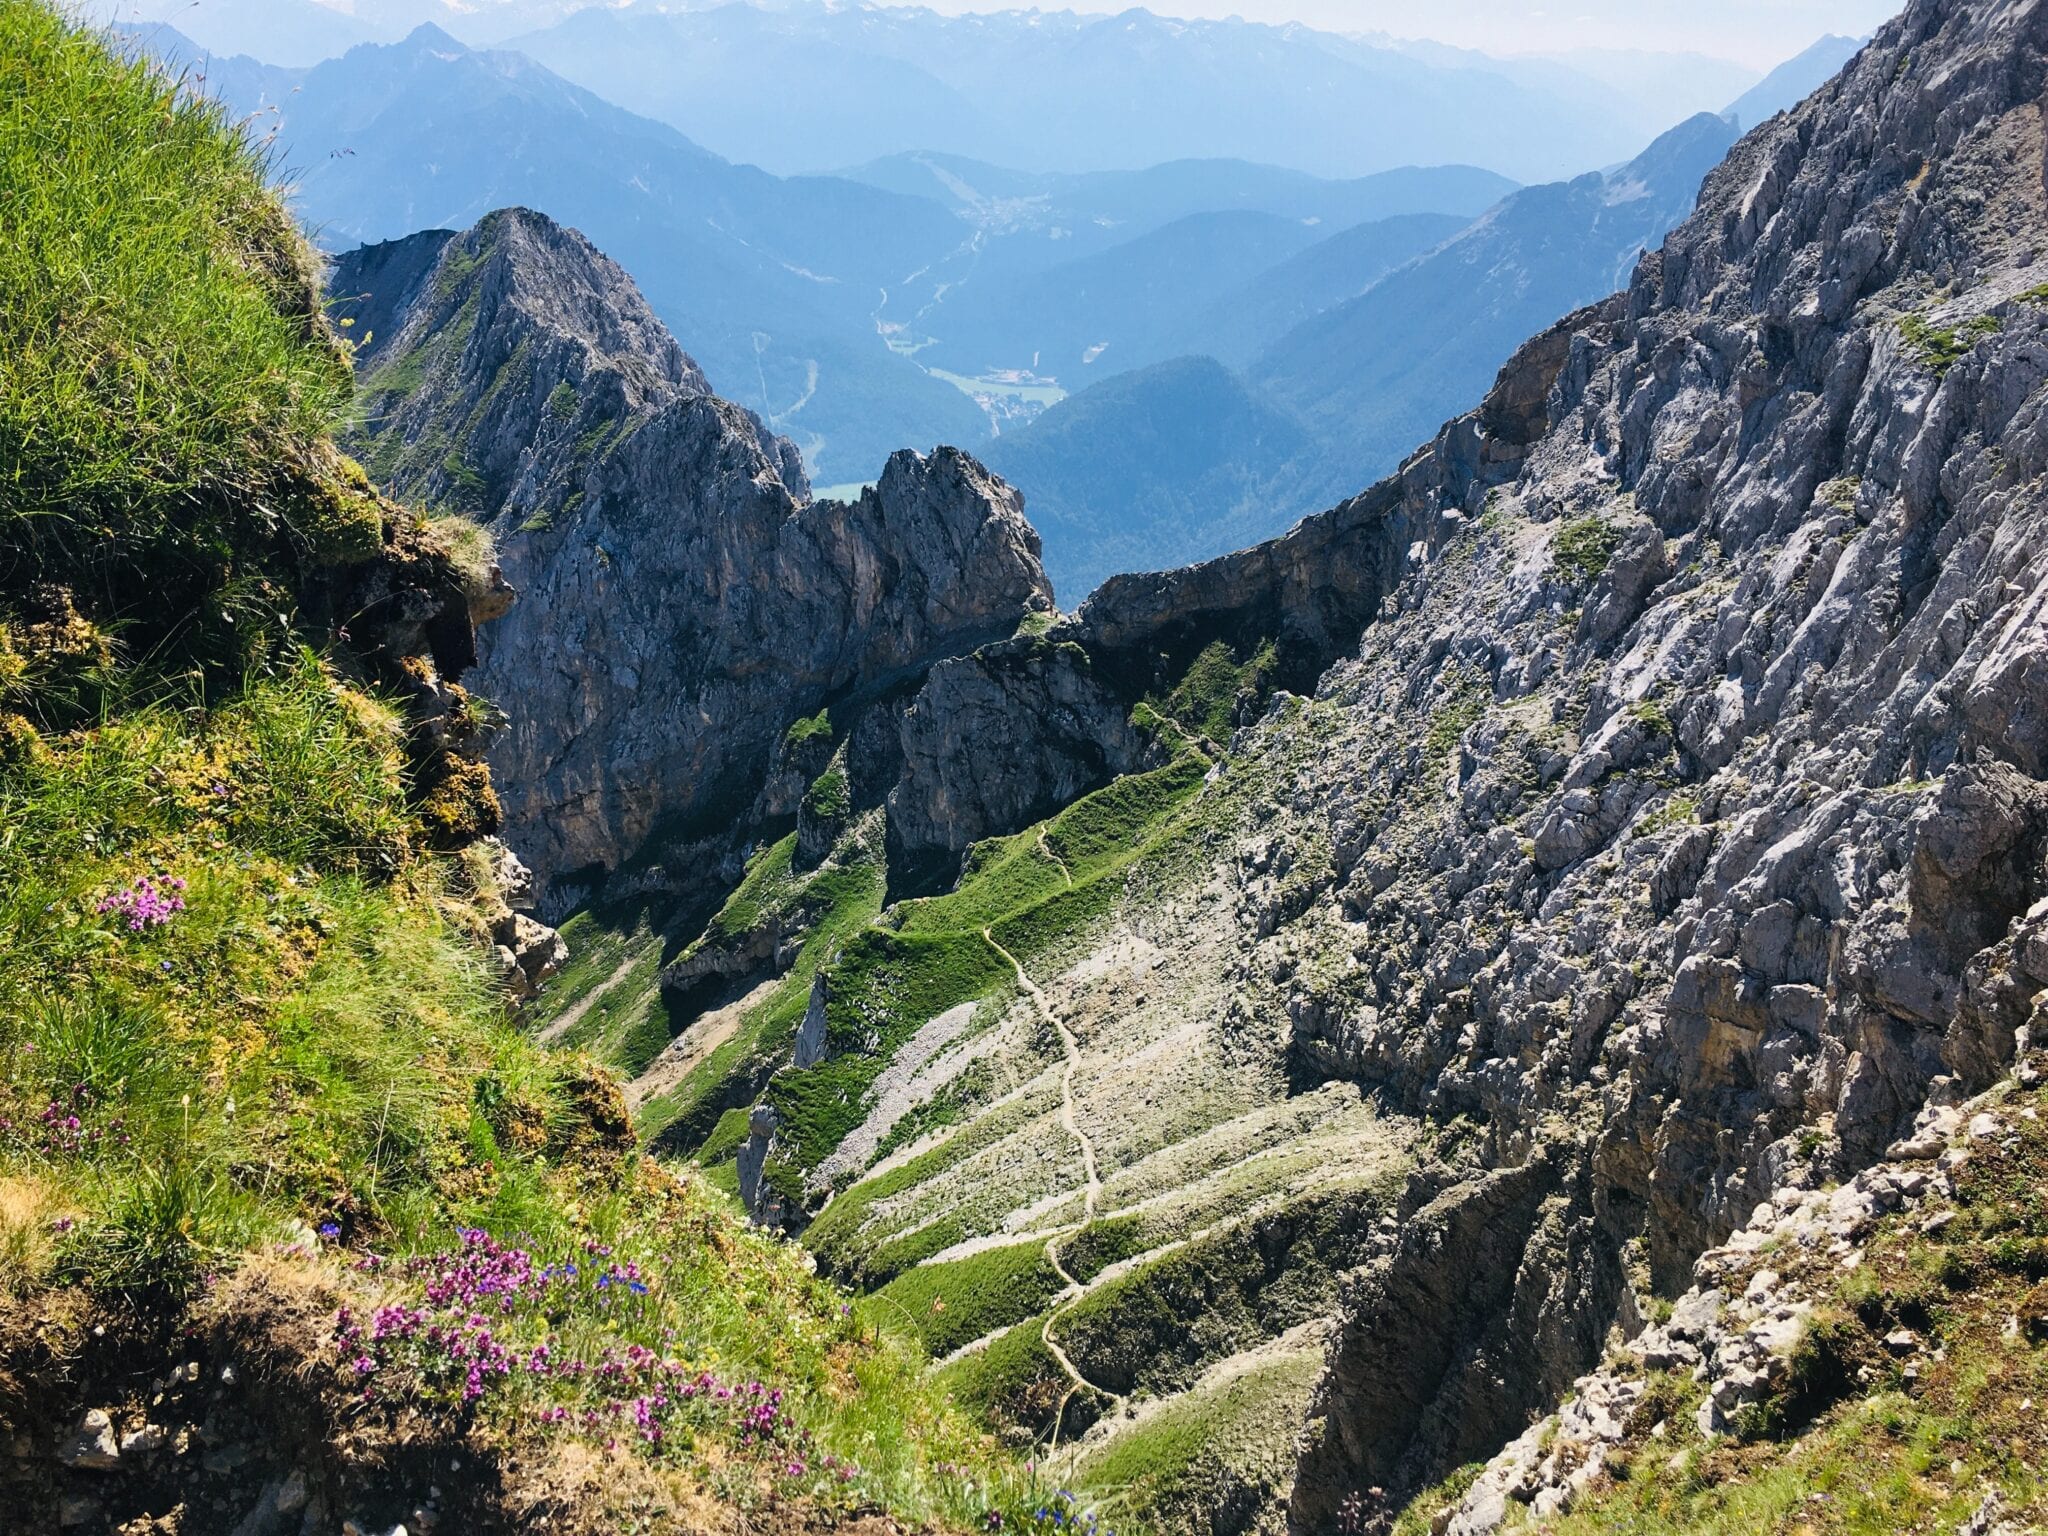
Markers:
(1864, 1439)
(166, 382)
(313, 1039)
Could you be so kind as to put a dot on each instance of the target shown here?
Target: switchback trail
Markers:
(1072, 1123)
(1045, 847)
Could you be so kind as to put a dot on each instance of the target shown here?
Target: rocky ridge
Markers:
(1812, 1303)
(686, 600)
(1002, 738)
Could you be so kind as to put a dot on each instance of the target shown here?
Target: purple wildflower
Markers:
(149, 902)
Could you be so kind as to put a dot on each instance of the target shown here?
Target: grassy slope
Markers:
(1035, 893)
(166, 382)
(1134, 841)
(239, 997)
(1227, 1238)
(836, 900)
(1184, 1465)
(954, 1303)
(614, 977)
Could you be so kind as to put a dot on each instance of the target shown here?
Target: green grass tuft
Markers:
(828, 798)
(816, 727)
(1583, 547)
(1206, 698)
(167, 381)
(1940, 348)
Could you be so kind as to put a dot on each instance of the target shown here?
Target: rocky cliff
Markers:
(1000, 739)
(1630, 811)
(684, 600)
(1685, 811)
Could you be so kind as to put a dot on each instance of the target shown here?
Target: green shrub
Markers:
(1465, 708)
(1110, 1241)
(1583, 547)
(1940, 348)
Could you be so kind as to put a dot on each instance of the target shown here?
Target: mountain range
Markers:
(1057, 91)
(1373, 374)
(928, 297)
(784, 287)
(1064, 91)
(1123, 475)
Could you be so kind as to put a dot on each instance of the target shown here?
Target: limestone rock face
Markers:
(995, 741)
(1685, 801)
(1753, 1302)
(999, 739)
(682, 598)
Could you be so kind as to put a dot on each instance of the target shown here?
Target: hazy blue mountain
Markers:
(480, 25)
(1117, 309)
(1130, 202)
(1055, 90)
(1664, 87)
(1374, 376)
(1224, 284)
(301, 33)
(705, 74)
(1794, 80)
(1243, 322)
(1649, 89)
(1062, 263)
(771, 281)
(1155, 468)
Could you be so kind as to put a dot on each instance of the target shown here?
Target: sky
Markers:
(1755, 32)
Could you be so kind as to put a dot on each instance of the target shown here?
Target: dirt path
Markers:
(570, 1016)
(1072, 1123)
(705, 1034)
(1045, 847)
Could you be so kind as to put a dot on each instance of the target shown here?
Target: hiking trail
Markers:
(1072, 1124)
